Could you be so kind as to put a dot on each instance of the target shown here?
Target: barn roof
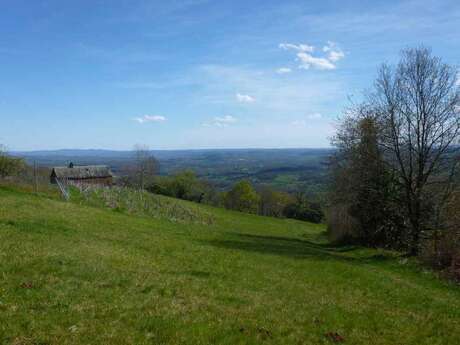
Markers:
(82, 172)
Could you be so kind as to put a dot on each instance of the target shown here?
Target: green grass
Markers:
(75, 274)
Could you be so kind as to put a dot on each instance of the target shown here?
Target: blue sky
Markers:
(197, 73)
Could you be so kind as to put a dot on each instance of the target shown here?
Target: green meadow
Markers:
(82, 273)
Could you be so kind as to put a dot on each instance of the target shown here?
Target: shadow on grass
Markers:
(298, 248)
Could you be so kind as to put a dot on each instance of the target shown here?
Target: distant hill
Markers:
(286, 169)
(167, 154)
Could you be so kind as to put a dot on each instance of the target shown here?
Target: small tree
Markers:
(145, 166)
(9, 166)
(185, 185)
(272, 202)
(242, 197)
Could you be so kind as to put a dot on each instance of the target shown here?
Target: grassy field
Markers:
(75, 274)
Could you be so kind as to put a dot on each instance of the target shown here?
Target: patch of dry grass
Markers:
(136, 202)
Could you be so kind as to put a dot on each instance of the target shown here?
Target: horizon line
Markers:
(174, 149)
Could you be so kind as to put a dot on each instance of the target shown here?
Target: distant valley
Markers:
(284, 169)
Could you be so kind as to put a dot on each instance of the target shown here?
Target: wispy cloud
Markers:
(274, 95)
(269, 133)
(307, 60)
(223, 121)
(334, 53)
(299, 123)
(307, 120)
(147, 10)
(150, 118)
(283, 70)
(121, 55)
(314, 116)
(139, 85)
(298, 47)
(244, 98)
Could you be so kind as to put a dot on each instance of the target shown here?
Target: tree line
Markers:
(395, 180)
(243, 196)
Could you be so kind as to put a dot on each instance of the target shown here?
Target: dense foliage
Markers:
(185, 185)
(241, 197)
(304, 210)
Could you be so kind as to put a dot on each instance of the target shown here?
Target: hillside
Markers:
(75, 274)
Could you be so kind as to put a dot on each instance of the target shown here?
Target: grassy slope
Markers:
(72, 274)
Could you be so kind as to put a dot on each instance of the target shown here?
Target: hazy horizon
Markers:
(174, 149)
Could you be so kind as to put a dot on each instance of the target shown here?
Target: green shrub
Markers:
(242, 197)
(10, 166)
(184, 185)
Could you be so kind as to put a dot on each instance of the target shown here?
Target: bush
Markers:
(242, 197)
(10, 166)
(273, 203)
(184, 185)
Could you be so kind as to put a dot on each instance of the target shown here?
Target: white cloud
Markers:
(244, 98)
(298, 47)
(223, 121)
(335, 56)
(150, 118)
(283, 70)
(334, 53)
(307, 60)
(226, 119)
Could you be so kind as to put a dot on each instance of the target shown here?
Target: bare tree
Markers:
(418, 106)
(146, 166)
